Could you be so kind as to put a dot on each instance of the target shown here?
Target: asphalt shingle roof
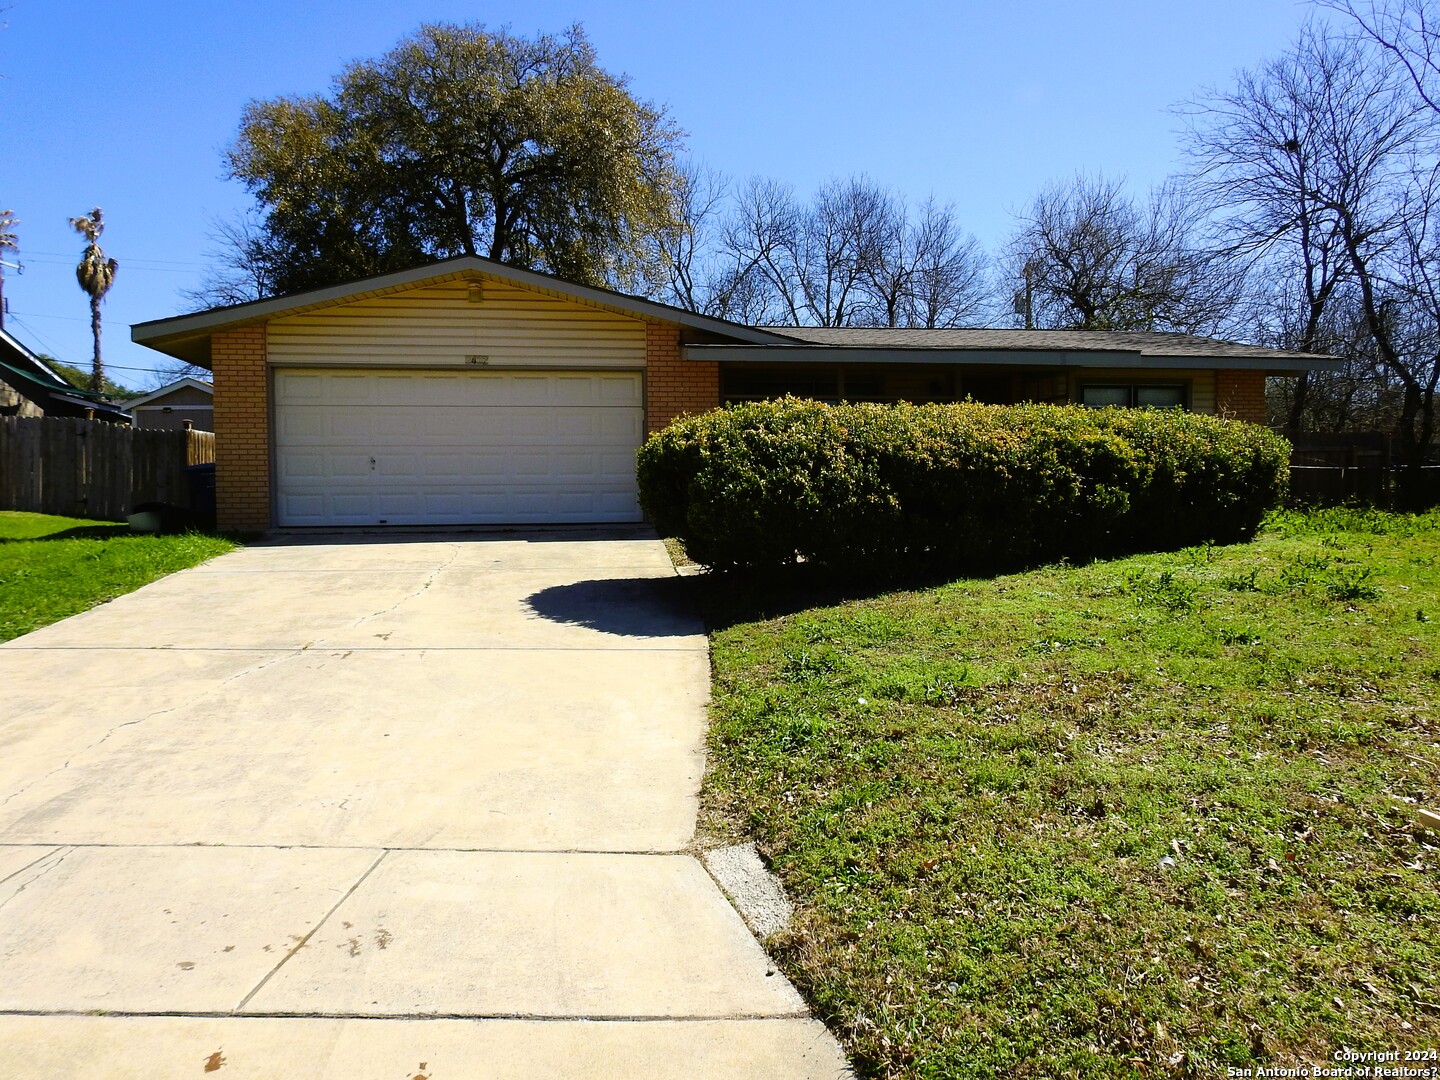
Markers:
(1130, 341)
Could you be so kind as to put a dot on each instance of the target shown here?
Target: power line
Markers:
(37, 315)
(52, 349)
(36, 334)
(128, 265)
(170, 262)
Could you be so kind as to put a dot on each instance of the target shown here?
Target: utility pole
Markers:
(8, 242)
(1025, 298)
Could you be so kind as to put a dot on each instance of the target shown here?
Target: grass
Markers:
(1147, 817)
(52, 567)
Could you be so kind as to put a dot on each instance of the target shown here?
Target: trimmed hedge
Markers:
(969, 487)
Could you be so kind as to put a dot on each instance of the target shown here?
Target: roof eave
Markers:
(187, 337)
(1280, 363)
(168, 388)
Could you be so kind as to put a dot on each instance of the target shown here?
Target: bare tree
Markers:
(950, 282)
(810, 259)
(1256, 150)
(685, 253)
(1323, 163)
(1405, 29)
(842, 235)
(1087, 256)
(1402, 309)
(1361, 396)
(241, 267)
(760, 247)
(852, 256)
(924, 271)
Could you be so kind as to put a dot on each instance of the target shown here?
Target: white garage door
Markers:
(456, 447)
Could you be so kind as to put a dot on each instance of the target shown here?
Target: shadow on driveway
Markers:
(626, 607)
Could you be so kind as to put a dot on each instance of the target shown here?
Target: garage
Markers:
(455, 447)
(462, 392)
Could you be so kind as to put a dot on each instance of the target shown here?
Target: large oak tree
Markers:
(461, 141)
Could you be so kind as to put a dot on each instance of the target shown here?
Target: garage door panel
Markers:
(344, 466)
(398, 504)
(451, 466)
(484, 447)
(620, 428)
(351, 390)
(301, 388)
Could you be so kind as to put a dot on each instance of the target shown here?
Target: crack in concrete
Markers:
(268, 661)
(50, 849)
(63, 853)
(429, 580)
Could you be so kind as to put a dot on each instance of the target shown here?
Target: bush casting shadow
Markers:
(865, 487)
(626, 607)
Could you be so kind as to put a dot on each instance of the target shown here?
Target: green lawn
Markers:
(1146, 817)
(51, 567)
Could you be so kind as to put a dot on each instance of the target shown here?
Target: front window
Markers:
(1134, 395)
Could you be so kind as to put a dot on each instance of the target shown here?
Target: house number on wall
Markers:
(477, 361)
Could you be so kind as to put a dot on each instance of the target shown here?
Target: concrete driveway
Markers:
(376, 807)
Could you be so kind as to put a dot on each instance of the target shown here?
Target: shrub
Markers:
(880, 487)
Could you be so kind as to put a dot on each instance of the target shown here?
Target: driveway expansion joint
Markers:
(52, 845)
(412, 1017)
(313, 930)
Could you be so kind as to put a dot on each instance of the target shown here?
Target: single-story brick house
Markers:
(183, 403)
(469, 392)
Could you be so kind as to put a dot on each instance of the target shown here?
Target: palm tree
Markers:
(96, 274)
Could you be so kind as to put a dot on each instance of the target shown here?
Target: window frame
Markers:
(1132, 387)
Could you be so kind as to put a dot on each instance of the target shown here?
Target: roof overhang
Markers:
(43, 371)
(1029, 358)
(170, 388)
(187, 337)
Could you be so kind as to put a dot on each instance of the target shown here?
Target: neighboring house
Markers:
(175, 406)
(468, 392)
(30, 387)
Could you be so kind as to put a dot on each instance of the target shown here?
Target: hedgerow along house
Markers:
(467, 392)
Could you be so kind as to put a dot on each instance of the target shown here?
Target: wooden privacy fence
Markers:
(1356, 467)
(91, 469)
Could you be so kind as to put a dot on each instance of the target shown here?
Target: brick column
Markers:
(1241, 395)
(242, 429)
(675, 386)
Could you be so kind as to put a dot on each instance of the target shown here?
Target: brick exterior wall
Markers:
(242, 426)
(675, 386)
(1241, 395)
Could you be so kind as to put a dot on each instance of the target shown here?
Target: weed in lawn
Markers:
(1247, 580)
(1164, 590)
(808, 665)
(1302, 570)
(1352, 583)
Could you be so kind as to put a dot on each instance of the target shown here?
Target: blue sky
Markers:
(129, 106)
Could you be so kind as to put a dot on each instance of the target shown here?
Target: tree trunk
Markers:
(97, 366)
(1296, 421)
